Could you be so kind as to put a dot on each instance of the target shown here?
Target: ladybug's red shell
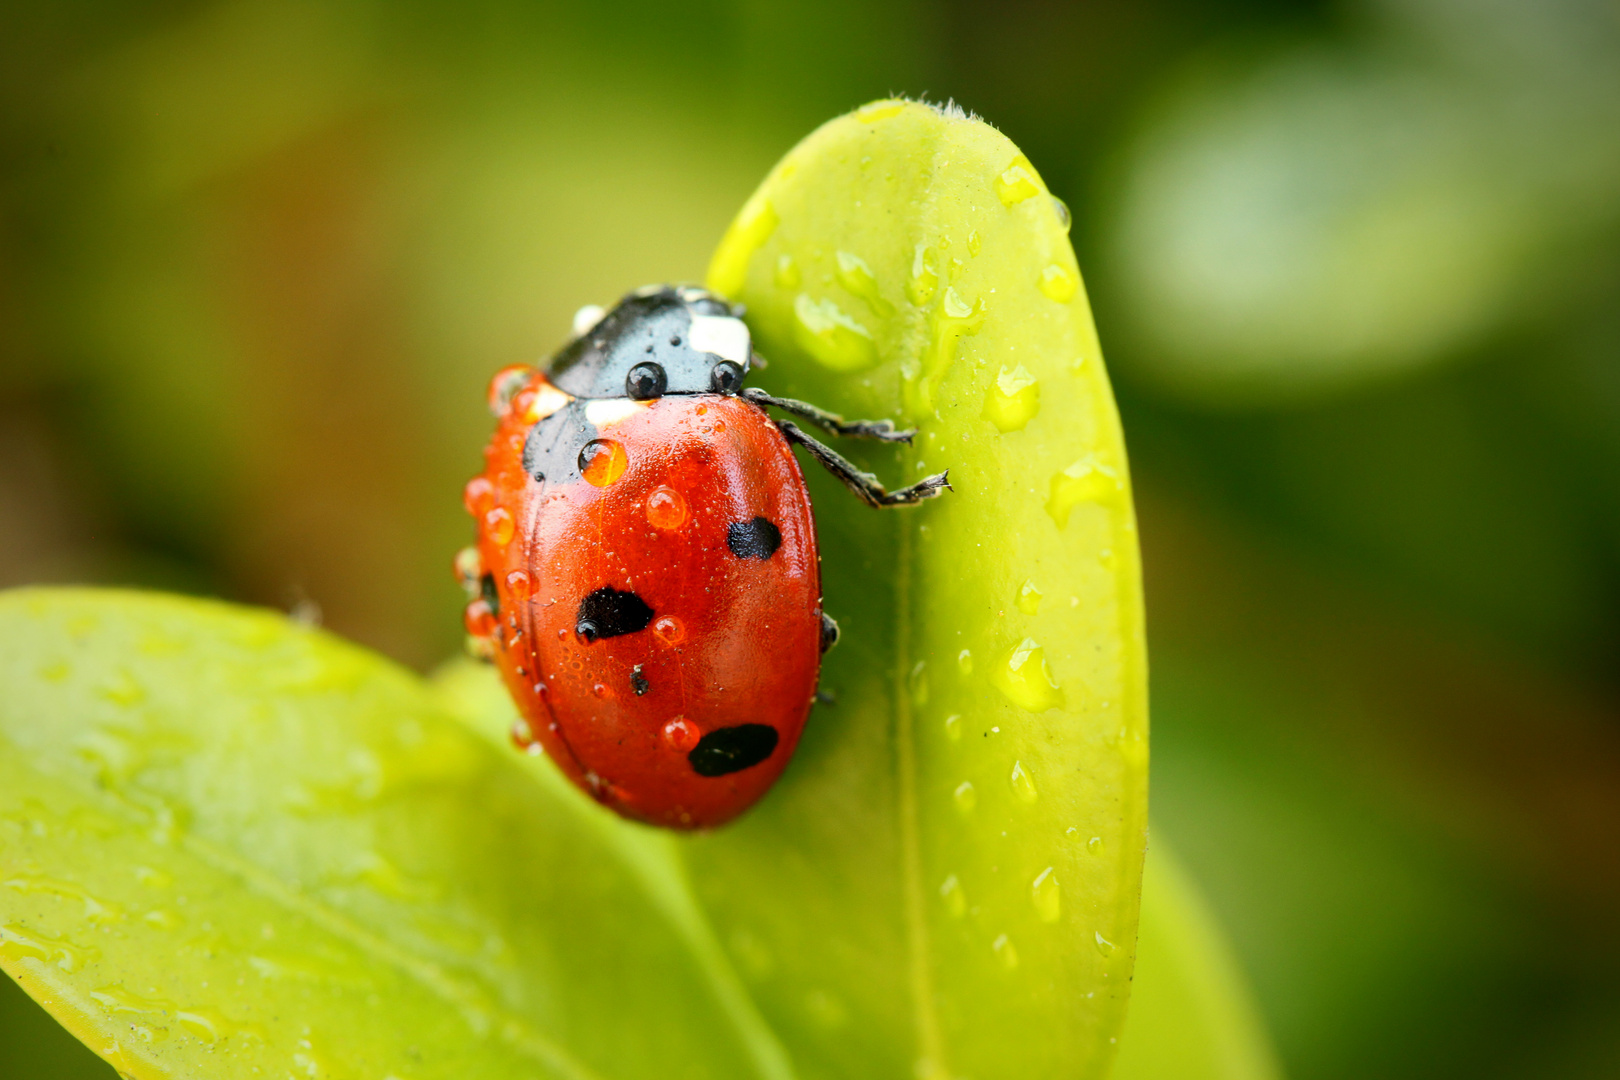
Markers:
(656, 607)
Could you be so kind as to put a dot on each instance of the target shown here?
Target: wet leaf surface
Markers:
(234, 846)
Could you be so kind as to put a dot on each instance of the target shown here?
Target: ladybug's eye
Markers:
(645, 381)
(726, 377)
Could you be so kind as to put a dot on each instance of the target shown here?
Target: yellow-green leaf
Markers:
(234, 847)
(945, 883)
(1191, 1015)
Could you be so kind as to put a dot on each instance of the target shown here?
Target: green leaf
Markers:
(1191, 1014)
(233, 847)
(945, 883)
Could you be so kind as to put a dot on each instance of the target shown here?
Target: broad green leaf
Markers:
(1191, 1014)
(945, 883)
(231, 847)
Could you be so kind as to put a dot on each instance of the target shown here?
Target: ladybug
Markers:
(646, 576)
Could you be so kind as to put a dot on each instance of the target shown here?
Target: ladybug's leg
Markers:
(882, 430)
(863, 484)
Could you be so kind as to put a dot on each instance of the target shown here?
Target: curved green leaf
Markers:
(945, 883)
(231, 846)
(1191, 1015)
(339, 881)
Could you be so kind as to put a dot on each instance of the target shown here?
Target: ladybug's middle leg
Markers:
(863, 484)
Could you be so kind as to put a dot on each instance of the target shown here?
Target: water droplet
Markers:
(953, 727)
(787, 272)
(162, 920)
(964, 662)
(479, 620)
(954, 320)
(680, 734)
(116, 1000)
(1029, 598)
(478, 496)
(1003, 948)
(1026, 680)
(603, 461)
(498, 525)
(1095, 845)
(1104, 946)
(114, 757)
(974, 243)
(19, 944)
(857, 277)
(834, 339)
(874, 111)
(1012, 399)
(153, 879)
(917, 681)
(520, 585)
(1022, 785)
(1017, 182)
(669, 630)
(966, 797)
(504, 385)
(205, 1026)
(666, 508)
(601, 690)
(522, 734)
(95, 910)
(955, 898)
(924, 279)
(1058, 284)
(1086, 481)
(1061, 209)
(1047, 896)
(306, 1063)
(123, 690)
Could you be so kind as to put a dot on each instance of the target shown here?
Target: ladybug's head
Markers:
(659, 340)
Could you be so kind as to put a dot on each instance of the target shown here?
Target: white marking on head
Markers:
(722, 336)
(547, 400)
(587, 317)
(605, 412)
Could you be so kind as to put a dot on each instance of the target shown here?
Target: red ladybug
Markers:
(646, 575)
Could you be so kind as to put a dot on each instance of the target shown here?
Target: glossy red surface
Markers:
(730, 641)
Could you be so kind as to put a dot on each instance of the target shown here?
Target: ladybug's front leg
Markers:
(864, 484)
(881, 430)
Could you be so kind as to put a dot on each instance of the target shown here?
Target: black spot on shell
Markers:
(732, 749)
(607, 612)
(638, 681)
(756, 539)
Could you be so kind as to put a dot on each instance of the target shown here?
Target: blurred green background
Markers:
(1356, 267)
